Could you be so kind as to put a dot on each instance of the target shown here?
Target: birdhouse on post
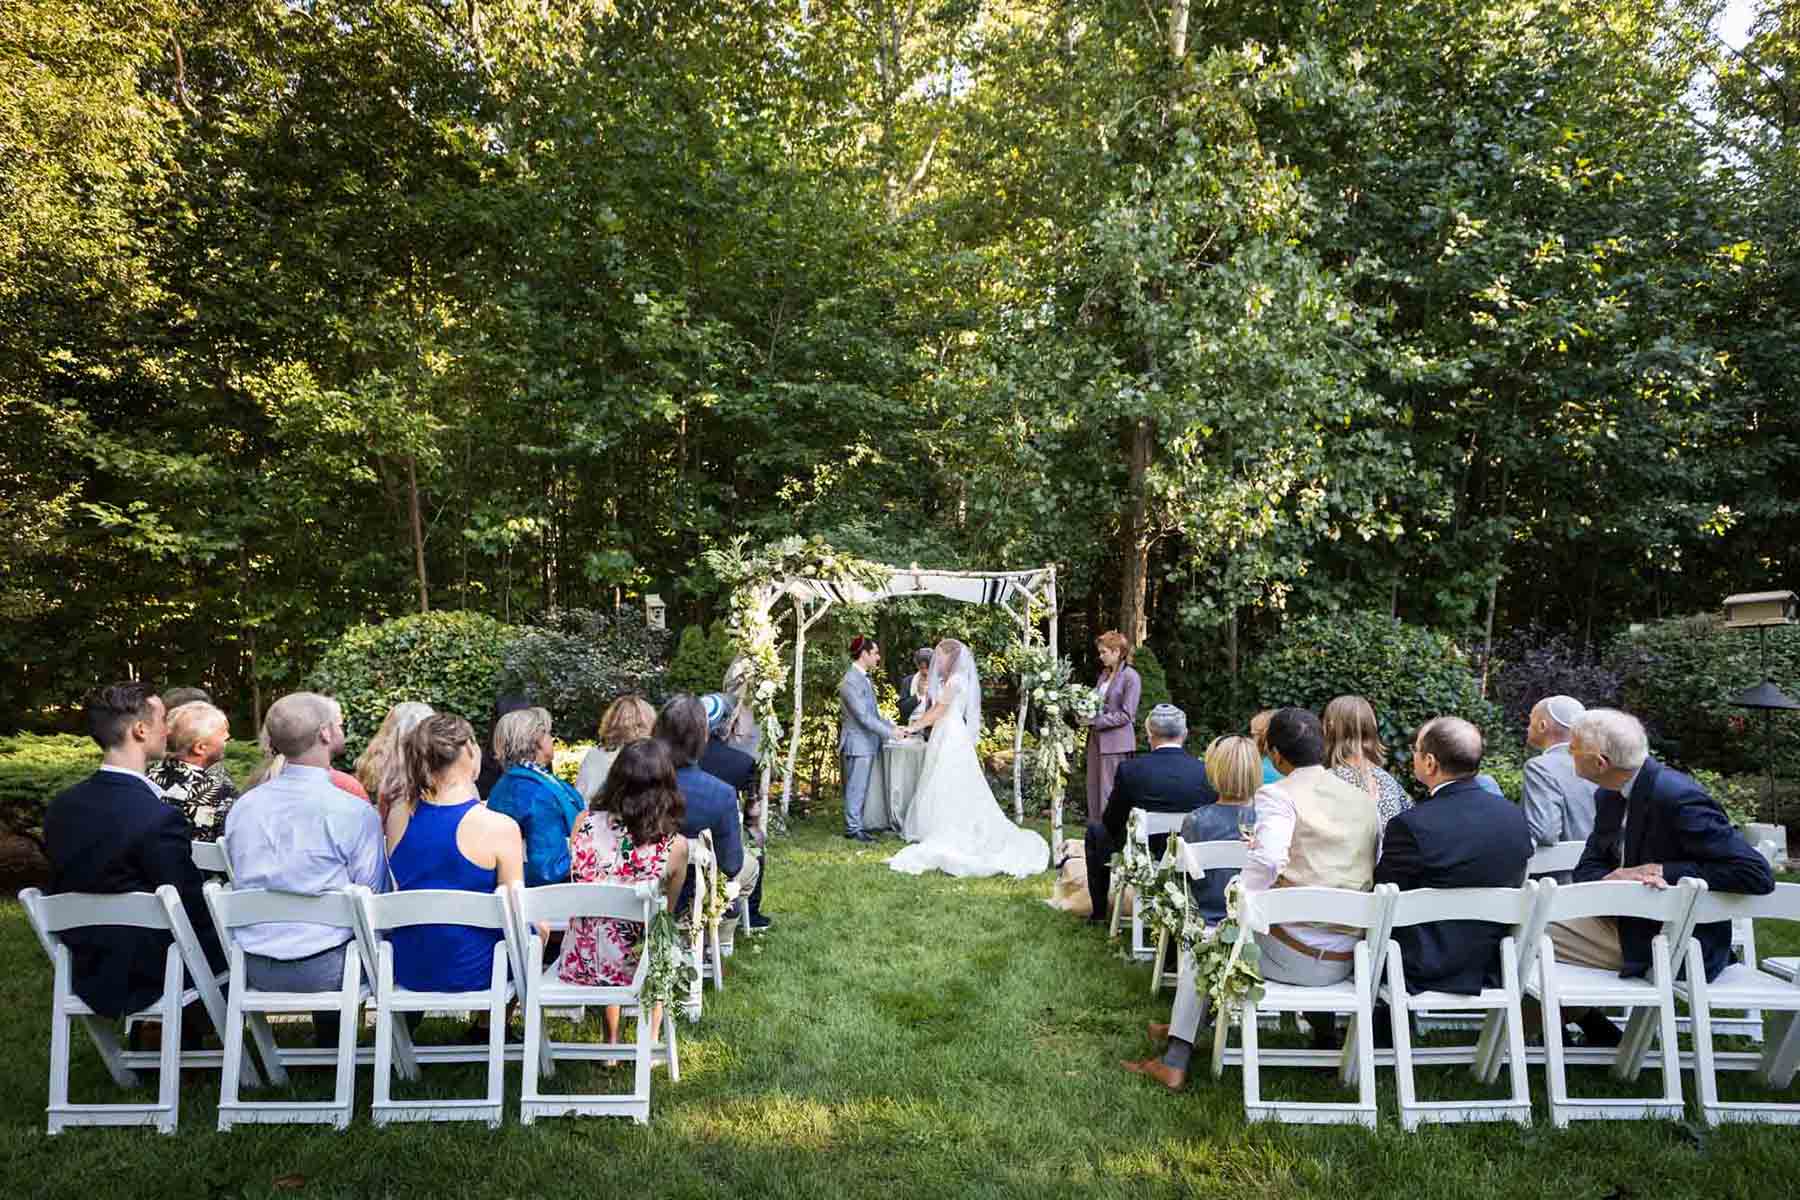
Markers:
(656, 615)
(1753, 610)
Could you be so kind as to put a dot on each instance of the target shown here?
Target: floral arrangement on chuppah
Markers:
(756, 581)
(1048, 684)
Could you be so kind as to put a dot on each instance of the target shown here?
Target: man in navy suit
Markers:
(1464, 836)
(113, 833)
(1166, 780)
(1657, 826)
(711, 803)
(737, 769)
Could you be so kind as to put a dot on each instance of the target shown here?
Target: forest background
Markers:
(1475, 313)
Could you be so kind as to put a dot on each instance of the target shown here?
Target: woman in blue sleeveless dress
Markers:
(442, 836)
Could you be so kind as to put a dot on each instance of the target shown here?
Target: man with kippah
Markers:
(1559, 803)
(1166, 780)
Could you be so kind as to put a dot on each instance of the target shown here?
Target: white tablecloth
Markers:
(893, 781)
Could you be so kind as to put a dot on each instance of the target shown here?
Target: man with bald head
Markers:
(1559, 803)
(1463, 836)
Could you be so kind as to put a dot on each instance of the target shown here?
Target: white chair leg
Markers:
(1404, 1086)
(231, 1071)
(387, 1033)
(668, 1019)
(531, 1060)
(1118, 910)
(646, 1049)
(1664, 973)
(349, 1014)
(496, 1081)
(168, 1089)
(1706, 1083)
(1156, 963)
(1364, 1033)
(266, 1048)
(1555, 1082)
(1252, 1077)
(1781, 1048)
(1515, 1040)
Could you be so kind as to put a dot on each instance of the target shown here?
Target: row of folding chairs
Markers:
(1529, 968)
(519, 972)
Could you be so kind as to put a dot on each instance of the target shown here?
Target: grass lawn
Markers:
(891, 1037)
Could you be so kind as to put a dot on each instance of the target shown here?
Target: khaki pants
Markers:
(1588, 942)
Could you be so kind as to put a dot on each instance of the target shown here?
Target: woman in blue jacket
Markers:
(545, 807)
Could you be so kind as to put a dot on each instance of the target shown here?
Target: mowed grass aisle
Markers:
(893, 1037)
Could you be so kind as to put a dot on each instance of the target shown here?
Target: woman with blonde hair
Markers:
(1112, 732)
(1354, 753)
(628, 719)
(381, 767)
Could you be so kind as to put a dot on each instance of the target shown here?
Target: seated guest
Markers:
(628, 719)
(273, 762)
(1234, 769)
(491, 769)
(1312, 830)
(114, 833)
(1558, 802)
(198, 733)
(1354, 752)
(440, 835)
(545, 807)
(631, 835)
(381, 767)
(744, 733)
(1259, 733)
(173, 698)
(297, 832)
(1463, 836)
(738, 769)
(709, 803)
(1166, 780)
(1656, 826)
(914, 697)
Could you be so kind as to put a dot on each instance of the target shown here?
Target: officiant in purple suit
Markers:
(1112, 733)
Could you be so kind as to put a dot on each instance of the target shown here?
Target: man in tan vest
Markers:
(1312, 830)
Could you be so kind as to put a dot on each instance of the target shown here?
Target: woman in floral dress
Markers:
(631, 834)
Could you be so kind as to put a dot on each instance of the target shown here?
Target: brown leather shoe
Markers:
(1158, 1033)
(1156, 1069)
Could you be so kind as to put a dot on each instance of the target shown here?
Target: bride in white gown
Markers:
(954, 824)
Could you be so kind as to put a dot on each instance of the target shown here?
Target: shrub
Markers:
(700, 659)
(449, 660)
(1531, 662)
(576, 661)
(1155, 681)
(1678, 676)
(34, 768)
(1406, 672)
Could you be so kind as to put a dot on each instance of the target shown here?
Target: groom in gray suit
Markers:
(864, 729)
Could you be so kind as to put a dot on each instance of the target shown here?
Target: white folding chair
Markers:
(231, 911)
(1141, 826)
(1511, 907)
(1557, 985)
(53, 916)
(1559, 859)
(210, 858)
(1367, 911)
(562, 902)
(1194, 858)
(378, 915)
(1742, 986)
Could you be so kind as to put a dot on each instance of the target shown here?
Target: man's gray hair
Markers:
(190, 722)
(516, 736)
(1563, 711)
(1617, 735)
(294, 722)
(1167, 723)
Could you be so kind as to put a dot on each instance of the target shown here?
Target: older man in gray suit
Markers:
(864, 730)
(1559, 804)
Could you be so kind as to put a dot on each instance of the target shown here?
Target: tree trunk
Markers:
(418, 531)
(1134, 538)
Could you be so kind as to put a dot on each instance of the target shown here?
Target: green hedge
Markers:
(1679, 676)
(34, 768)
(449, 660)
(1406, 672)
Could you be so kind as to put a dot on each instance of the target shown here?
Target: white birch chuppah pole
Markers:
(1056, 801)
(802, 623)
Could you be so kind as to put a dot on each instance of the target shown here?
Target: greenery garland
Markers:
(756, 582)
(1132, 867)
(1226, 957)
(671, 972)
(1048, 683)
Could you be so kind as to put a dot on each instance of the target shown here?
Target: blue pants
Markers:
(857, 769)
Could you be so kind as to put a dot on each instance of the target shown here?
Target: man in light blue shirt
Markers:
(300, 833)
